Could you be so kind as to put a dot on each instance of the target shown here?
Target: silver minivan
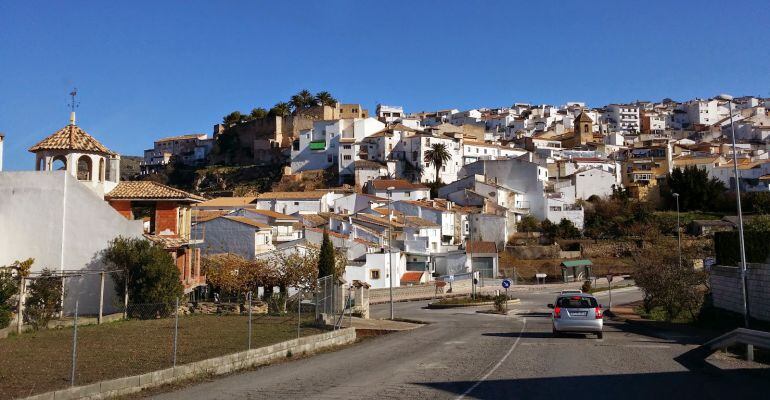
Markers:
(579, 313)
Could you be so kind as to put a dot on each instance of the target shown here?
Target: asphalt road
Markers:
(463, 354)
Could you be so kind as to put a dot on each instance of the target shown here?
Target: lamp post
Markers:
(678, 230)
(390, 237)
(736, 176)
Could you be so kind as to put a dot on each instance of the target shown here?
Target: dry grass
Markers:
(38, 362)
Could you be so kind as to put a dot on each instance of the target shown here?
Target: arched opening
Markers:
(101, 170)
(84, 168)
(59, 163)
(585, 127)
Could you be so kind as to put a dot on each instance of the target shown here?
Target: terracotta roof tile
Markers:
(315, 195)
(412, 277)
(475, 246)
(148, 190)
(227, 202)
(398, 184)
(247, 221)
(71, 137)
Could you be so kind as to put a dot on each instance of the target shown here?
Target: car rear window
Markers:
(576, 302)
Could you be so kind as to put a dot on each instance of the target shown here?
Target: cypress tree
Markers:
(326, 258)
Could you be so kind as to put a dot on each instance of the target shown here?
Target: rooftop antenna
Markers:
(73, 104)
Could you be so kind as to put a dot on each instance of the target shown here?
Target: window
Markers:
(296, 203)
(347, 157)
(346, 146)
(374, 274)
(84, 168)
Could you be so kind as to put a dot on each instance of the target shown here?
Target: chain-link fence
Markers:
(152, 337)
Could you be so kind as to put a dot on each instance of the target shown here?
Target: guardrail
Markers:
(749, 337)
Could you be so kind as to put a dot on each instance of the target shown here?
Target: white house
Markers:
(402, 189)
(388, 114)
(415, 147)
(284, 228)
(235, 235)
(293, 203)
(623, 117)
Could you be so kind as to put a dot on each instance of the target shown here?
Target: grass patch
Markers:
(480, 298)
(38, 362)
(659, 314)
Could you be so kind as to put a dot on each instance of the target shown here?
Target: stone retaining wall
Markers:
(426, 291)
(727, 292)
(213, 366)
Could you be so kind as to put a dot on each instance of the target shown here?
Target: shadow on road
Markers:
(534, 314)
(537, 335)
(743, 384)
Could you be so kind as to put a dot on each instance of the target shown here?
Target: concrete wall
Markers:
(61, 223)
(727, 294)
(425, 291)
(221, 235)
(213, 366)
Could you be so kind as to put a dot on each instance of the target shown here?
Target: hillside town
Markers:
(426, 194)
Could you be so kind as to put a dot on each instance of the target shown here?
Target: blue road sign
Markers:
(506, 283)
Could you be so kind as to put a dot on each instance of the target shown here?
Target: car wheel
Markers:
(600, 335)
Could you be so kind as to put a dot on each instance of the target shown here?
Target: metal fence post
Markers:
(74, 345)
(101, 297)
(299, 313)
(176, 327)
(249, 295)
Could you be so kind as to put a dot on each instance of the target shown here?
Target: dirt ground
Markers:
(38, 362)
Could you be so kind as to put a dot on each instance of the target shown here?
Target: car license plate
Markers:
(579, 313)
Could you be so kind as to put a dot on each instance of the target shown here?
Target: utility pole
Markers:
(736, 176)
(390, 238)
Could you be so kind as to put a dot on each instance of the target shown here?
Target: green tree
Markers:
(567, 230)
(696, 190)
(302, 100)
(437, 155)
(44, 299)
(281, 109)
(146, 271)
(550, 230)
(528, 223)
(326, 263)
(258, 113)
(233, 118)
(325, 99)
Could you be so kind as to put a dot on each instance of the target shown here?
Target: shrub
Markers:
(9, 287)
(44, 299)
(148, 272)
(501, 301)
(586, 288)
(528, 223)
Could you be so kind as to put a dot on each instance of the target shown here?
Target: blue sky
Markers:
(150, 69)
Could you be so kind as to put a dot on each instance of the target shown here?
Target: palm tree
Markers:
(325, 99)
(437, 155)
(302, 100)
(281, 109)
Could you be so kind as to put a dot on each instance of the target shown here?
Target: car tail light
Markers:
(557, 312)
(598, 313)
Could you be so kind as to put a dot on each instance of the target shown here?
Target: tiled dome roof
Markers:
(71, 137)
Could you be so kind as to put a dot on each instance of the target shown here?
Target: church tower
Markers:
(584, 128)
(75, 151)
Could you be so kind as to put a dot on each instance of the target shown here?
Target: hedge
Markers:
(726, 247)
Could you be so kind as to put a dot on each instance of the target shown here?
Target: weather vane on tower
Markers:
(73, 104)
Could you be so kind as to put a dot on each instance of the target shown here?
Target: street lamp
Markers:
(678, 230)
(742, 249)
(390, 190)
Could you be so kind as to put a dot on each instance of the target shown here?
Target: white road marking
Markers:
(499, 363)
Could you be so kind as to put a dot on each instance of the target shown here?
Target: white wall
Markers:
(61, 223)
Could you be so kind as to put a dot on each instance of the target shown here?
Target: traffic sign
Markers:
(506, 283)
(609, 278)
(451, 278)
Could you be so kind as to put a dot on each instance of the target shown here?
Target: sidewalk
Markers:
(378, 324)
